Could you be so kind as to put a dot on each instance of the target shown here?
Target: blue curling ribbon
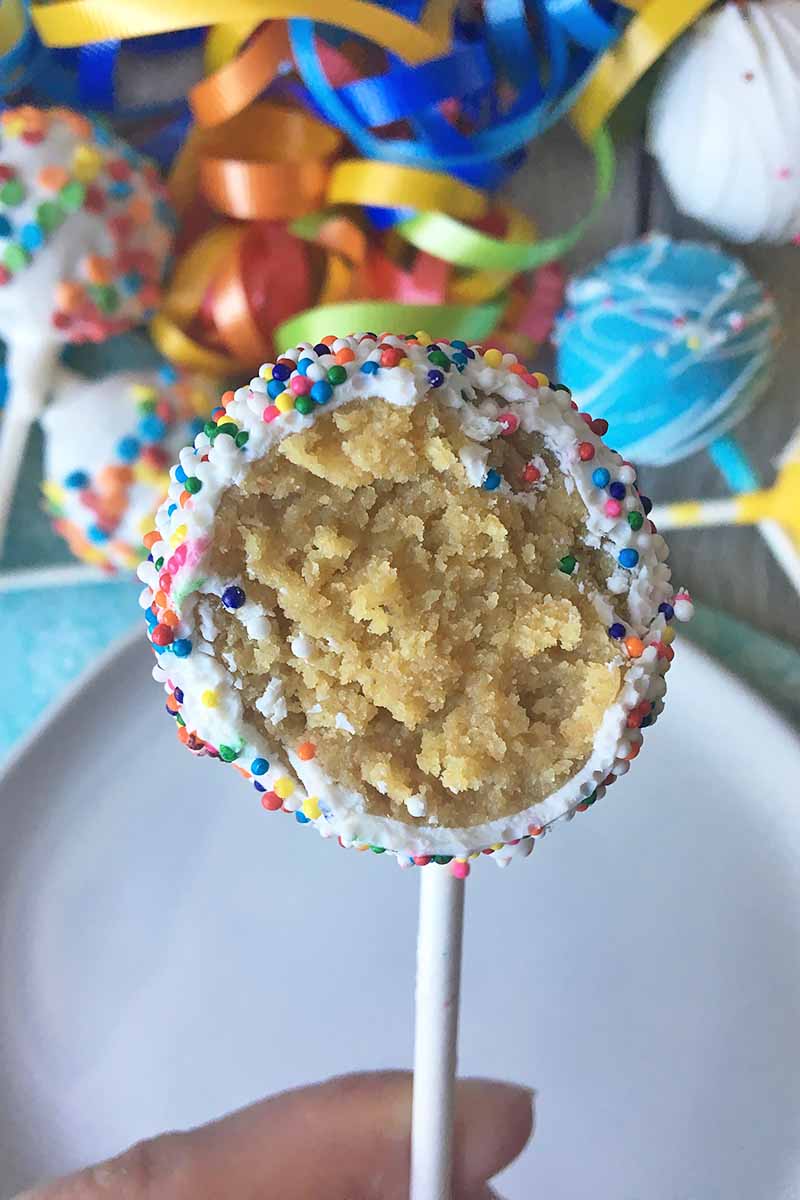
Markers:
(583, 23)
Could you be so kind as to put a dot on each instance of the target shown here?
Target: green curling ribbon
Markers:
(464, 246)
(470, 323)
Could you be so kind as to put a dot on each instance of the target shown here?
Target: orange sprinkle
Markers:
(227, 397)
(172, 704)
(183, 734)
(244, 774)
(140, 209)
(161, 599)
(306, 750)
(52, 179)
(184, 497)
(634, 750)
(112, 478)
(98, 269)
(535, 830)
(170, 618)
(329, 339)
(68, 296)
(344, 356)
(517, 369)
(634, 646)
(151, 538)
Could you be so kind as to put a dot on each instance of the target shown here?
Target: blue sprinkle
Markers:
(77, 479)
(167, 374)
(281, 371)
(132, 157)
(647, 504)
(178, 694)
(321, 391)
(31, 236)
(258, 786)
(182, 647)
(96, 534)
(435, 378)
(628, 558)
(233, 597)
(6, 228)
(667, 610)
(301, 818)
(304, 364)
(275, 387)
(259, 766)
(172, 508)
(150, 617)
(180, 474)
(120, 189)
(617, 630)
(600, 477)
(491, 481)
(370, 367)
(152, 428)
(459, 345)
(321, 349)
(617, 491)
(128, 449)
(101, 133)
(131, 282)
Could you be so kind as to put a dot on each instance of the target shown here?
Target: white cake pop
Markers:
(108, 447)
(725, 121)
(85, 235)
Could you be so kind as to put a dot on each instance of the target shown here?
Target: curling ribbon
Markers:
(652, 31)
(78, 22)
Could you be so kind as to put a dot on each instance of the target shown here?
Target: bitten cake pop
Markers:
(108, 448)
(409, 593)
(724, 122)
(671, 342)
(85, 236)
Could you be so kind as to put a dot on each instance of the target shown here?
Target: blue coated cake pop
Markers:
(671, 342)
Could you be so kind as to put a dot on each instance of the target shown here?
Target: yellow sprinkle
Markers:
(423, 337)
(493, 358)
(668, 636)
(54, 493)
(311, 808)
(143, 391)
(498, 845)
(178, 536)
(265, 371)
(209, 698)
(86, 163)
(284, 787)
(541, 380)
(407, 363)
(92, 556)
(693, 342)
(284, 402)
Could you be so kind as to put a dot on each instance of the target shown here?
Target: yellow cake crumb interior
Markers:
(427, 643)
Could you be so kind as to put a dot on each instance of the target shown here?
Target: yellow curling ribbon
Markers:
(651, 32)
(81, 22)
(365, 181)
(12, 24)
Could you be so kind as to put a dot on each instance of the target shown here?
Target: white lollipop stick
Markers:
(29, 367)
(441, 923)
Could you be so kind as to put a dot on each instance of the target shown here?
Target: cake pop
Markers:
(406, 589)
(724, 121)
(672, 342)
(108, 447)
(85, 237)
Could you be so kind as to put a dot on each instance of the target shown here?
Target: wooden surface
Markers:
(730, 569)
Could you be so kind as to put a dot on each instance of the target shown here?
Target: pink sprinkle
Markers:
(796, 240)
(181, 552)
(270, 413)
(509, 422)
(785, 173)
(587, 417)
(300, 384)
(459, 869)
(613, 508)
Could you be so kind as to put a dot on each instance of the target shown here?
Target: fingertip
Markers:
(494, 1121)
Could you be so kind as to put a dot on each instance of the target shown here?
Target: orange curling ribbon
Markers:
(236, 84)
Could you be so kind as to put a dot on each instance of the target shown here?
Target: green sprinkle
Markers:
(440, 359)
(304, 405)
(377, 849)
(229, 428)
(179, 719)
(228, 754)
(193, 485)
(15, 256)
(635, 520)
(336, 375)
(50, 215)
(12, 192)
(159, 563)
(210, 429)
(146, 406)
(242, 438)
(442, 859)
(72, 195)
(567, 564)
(105, 296)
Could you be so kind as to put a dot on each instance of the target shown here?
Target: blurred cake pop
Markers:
(409, 593)
(108, 446)
(671, 342)
(725, 121)
(85, 237)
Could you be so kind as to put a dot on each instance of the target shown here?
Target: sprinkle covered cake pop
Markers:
(108, 448)
(407, 591)
(85, 237)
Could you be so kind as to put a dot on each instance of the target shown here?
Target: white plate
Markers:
(169, 951)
